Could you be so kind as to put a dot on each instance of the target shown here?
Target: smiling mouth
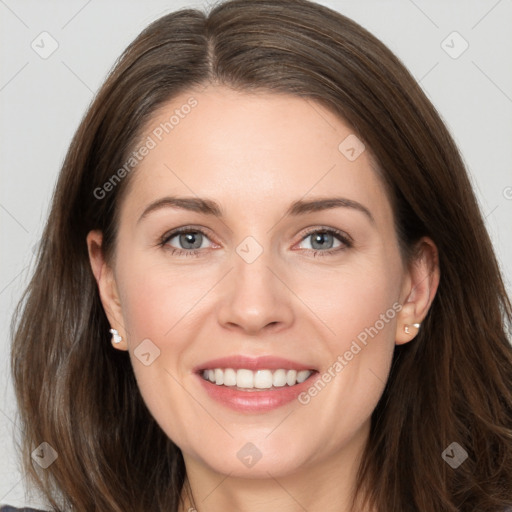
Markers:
(243, 379)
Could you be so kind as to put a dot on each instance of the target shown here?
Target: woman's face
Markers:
(288, 261)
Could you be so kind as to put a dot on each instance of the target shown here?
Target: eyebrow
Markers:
(210, 207)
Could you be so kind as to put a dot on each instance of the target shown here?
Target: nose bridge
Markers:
(255, 297)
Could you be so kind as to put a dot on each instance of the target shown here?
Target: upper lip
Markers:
(252, 363)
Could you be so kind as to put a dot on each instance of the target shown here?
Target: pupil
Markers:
(189, 238)
(320, 239)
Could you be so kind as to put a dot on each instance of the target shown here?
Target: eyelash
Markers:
(195, 252)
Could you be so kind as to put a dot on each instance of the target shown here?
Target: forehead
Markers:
(250, 150)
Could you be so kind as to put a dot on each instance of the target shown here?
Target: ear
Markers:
(107, 287)
(418, 290)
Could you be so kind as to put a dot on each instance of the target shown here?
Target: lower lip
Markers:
(255, 400)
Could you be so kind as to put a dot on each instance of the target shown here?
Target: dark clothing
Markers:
(7, 508)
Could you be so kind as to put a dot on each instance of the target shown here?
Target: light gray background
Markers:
(43, 100)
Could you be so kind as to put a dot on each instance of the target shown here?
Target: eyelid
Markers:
(343, 237)
(327, 229)
(184, 229)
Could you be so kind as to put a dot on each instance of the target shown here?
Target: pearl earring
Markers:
(406, 328)
(115, 336)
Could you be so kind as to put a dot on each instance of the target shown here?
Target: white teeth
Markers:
(244, 378)
(279, 378)
(229, 377)
(260, 379)
(291, 377)
(303, 375)
(263, 379)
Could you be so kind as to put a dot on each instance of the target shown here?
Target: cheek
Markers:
(160, 308)
(360, 309)
(366, 311)
(156, 298)
(155, 306)
(358, 303)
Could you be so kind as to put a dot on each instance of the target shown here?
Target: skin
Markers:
(254, 155)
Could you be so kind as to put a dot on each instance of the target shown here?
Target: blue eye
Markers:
(323, 240)
(192, 239)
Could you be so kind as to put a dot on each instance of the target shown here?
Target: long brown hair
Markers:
(453, 383)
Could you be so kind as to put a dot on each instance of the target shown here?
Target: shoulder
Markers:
(7, 508)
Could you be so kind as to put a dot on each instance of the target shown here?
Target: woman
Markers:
(335, 337)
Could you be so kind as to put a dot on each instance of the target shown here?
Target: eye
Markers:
(190, 239)
(323, 241)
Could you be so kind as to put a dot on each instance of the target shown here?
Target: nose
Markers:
(255, 296)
